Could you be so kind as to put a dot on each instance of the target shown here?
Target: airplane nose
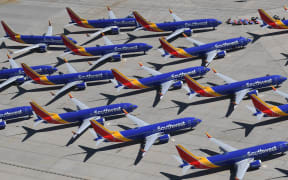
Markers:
(207, 69)
(283, 79)
(149, 47)
(248, 40)
(219, 22)
(134, 107)
(54, 69)
(198, 121)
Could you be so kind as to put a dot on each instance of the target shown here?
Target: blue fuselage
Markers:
(47, 40)
(16, 112)
(163, 127)
(122, 22)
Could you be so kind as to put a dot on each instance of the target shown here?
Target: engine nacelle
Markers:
(80, 86)
(2, 124)
(255, 164)
(221, 54)
(177, 84)
(115, 30)
(20, 80)
(188, 32)
(117, 57)
(101, 121)
(163, 139)
(43, 48)
(253, 92)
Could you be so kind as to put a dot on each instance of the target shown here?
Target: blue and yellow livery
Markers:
(165, 80)
(270, 22)
(241, 160)
(151, 134)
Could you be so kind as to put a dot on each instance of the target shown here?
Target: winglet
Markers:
(9, 57)
(208, 135)
(65, 60)
(274, 89)
(102, 34)
(140, 64)
(49, 23)
(70, 95)
(184, 35)
(90, 63)
(214, 70)
(125, 111)
(170, 11)
(108, 8)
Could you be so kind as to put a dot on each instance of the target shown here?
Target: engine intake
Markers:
(255, 164)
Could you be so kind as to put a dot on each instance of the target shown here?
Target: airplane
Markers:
(16, 73)
(178, 26)
(12, 113)
(150, 133)
(209, 51)
(83, 115)
(112, 24)
(270, 22)
(237, 88)
(264, 109)
(73, 79)
(164, 80)
(39, 42)
(108, 51)
(241, 159)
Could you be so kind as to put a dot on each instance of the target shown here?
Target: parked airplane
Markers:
(109, 51)
(178, 26)
(164, 80)
(237, 88)
(270, 22)
(13, 113)
(39, 42)
(151, 134)
(73, 79)
(264, 109)
(113, 24)
(242, 159)
(209, 51)
(16, 74)
(83, 115)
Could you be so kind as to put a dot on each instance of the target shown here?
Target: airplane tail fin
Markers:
(266, 17)
(73, 16)
(30, 72)
(69, 44)
(186, 155)
(120, 77)
(8, 30)
(42, 113)
(167, 46)
(192, 84)
(140, 19)
(260, 104)
(100, 129)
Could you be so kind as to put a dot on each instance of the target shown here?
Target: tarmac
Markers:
(40, 152)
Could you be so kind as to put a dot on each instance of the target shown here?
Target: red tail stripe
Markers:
(140, 19)
(264, 17)
(30, 72)
(192, 85)
(99, 130)
(68, 43)
(9, 32)
(186, 157)
(119, 77)
(259, 105)
(74, 17)
(166, 47)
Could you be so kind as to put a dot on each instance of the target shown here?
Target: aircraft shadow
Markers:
(284, 171)
(158, 66)
(132, 37)
(15, 120)
(286, 58)
(258, 36)
(249, 127)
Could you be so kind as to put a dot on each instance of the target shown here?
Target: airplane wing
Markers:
(85, 124)
(176, 33)
(150, 140)
(13, 64)
(111, 13)
(242, 167)
(224, 147)
(165, 87)
(27, 48)
(175, 17)
(9, 81)
(106, 56)
(102, 31)
(78, 103)
(210, 56)
(136, 120)
(67, 86)
(49, 30)
(240, 95)
(149, 70)
(195, 42)
(107, 40)
(70, 68)
(225, 78)
(281, 93)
